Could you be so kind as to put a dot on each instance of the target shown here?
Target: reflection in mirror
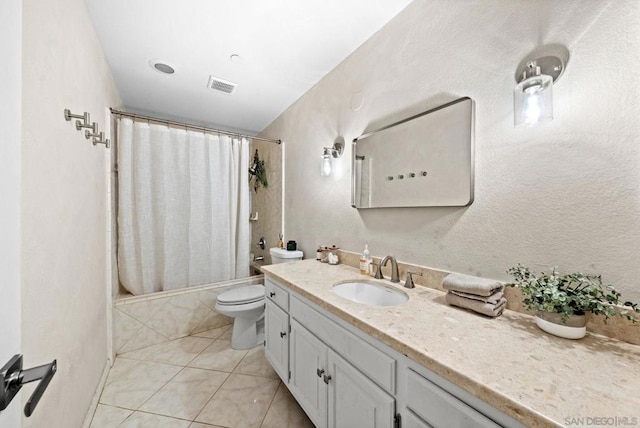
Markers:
(423, 161)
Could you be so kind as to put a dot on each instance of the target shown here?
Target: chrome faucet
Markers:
(395, 276)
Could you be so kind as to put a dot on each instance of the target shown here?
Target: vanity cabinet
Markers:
(343, 377)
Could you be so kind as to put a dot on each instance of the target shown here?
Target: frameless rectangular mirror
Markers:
(422, 161)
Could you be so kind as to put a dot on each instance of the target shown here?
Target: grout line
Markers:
(161, 415)
(214, 394)
(158, 390)
(271, 402)
(228, 376)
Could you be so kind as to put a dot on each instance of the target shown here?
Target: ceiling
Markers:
(285, 47)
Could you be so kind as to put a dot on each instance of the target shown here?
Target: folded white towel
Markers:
(471, 284)
(493, 299)
(477, 306)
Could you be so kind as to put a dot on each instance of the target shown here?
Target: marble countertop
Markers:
(536, 378)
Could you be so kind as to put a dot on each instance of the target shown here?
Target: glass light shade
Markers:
(533, 100)
(325, 165)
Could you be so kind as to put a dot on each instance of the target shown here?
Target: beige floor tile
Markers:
(214, 333)
(212, 320)
(146, 420)
(186, 394)
(144, 353)
(120, 367)
(135, 387)
(218, 356)
(242, 401)
(255, 364)
(181, 351)
(143, 338)
(227, 333)
(285, 412)
(108, 416)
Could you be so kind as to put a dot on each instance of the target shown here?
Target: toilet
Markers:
(280, 255)
(246, 306)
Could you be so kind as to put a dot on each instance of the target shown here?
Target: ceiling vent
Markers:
(221, 85)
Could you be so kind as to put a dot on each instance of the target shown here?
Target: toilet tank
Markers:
(280, 255)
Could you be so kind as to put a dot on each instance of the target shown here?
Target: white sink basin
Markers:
(370, 293)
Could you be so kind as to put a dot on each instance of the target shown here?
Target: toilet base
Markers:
(247, 333)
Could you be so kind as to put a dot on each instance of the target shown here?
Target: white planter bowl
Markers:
(574, 328)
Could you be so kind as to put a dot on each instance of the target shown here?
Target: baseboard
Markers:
(96, 395)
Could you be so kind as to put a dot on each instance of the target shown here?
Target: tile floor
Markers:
(196, 382)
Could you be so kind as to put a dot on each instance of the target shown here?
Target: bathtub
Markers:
(151, 319)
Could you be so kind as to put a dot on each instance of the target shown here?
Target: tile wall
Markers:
(142, 321)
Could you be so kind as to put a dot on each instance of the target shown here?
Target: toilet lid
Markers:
(241, 295)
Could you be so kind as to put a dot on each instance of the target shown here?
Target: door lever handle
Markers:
(12, 377)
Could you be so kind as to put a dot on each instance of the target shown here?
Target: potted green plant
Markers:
(561, 301)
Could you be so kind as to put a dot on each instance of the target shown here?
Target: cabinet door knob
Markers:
(283, 334)
(327, 379)
(319, 372)
(271, 294)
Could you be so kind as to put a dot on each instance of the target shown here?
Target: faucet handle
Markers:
(408, 283)
(378, 274)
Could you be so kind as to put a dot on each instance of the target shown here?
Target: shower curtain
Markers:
(183, 207)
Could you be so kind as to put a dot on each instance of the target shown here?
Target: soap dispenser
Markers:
(365, 261)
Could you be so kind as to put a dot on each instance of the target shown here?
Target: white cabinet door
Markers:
(308, 361)
(354, 400)
(276, 334)
(439, 408)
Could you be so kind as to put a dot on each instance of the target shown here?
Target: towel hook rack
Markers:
(83, 122)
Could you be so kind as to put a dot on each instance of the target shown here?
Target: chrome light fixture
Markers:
(533, 95)
(330, 152)
(325, 165)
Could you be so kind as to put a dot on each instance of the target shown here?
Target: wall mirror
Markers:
(423, 161)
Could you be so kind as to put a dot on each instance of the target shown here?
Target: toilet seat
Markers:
(239, 308)
(241, 296)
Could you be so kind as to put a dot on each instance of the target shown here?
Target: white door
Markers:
(308, 364)
(277, 339)
(10, 159)
(354, 400)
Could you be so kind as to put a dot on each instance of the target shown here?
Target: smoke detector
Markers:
(221, 85)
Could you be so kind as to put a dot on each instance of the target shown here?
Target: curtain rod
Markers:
(188, 126)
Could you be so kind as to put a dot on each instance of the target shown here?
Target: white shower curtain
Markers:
(183, 207)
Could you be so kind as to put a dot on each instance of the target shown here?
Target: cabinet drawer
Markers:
(374, 363)
(276, 293)
(439, 408)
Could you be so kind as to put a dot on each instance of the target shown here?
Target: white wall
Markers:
(566, 193)
(63, 207)
(10, 88)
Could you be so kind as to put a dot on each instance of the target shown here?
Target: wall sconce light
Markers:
(533, 95)
(330, 152)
